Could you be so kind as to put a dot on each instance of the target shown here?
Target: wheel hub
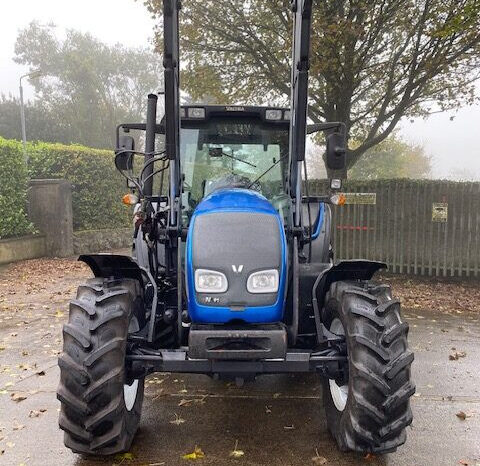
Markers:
(130, 394)
(338, 389)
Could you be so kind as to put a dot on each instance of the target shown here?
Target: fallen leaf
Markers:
(3, 392)
(319, 460)
(461, 415)
(276, 395)
(236, 453)
(268, 409)
(292, 427)
(17, 397)
(178, 420)
(369, 457)
(59, 314)
(456, 355)
(10, 444)
(195, 455)
(184, 402)
(124, 456)
(41, 373)
(36, 413)
(18, 426)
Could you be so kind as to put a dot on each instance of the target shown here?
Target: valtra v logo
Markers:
(237, 268)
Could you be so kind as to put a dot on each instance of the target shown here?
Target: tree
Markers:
(88, 87)
(373, 62)
(41, 123)
(392, 158)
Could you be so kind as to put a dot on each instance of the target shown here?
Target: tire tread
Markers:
(93, 415)
(378, 409)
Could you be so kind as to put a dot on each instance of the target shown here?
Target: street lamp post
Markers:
(32, 74)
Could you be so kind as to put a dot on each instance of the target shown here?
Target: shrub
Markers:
(97, 187)
(13, 190)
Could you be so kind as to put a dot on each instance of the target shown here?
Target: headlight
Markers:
(265, 281)
(209, 281)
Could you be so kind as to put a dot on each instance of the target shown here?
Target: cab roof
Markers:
(199, 112)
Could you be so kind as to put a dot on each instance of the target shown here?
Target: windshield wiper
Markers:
(267, 170)
(215, 151)
(239, 160)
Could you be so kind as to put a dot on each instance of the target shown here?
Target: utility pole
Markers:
(32, 74)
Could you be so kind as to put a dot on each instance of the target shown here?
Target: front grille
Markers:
(225, 241)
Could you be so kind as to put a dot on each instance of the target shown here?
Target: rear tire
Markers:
(100, 408)
(369, 412)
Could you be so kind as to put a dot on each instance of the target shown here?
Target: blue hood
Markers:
(228, 201)
(235, 199)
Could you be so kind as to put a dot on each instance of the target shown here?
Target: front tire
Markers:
(369, 411)
(100, 407)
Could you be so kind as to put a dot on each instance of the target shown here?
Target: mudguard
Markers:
(112, 265)
(358, 269)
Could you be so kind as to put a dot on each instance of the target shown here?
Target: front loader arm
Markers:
(302, 16)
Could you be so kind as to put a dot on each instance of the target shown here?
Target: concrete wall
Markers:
(89, 241)
(25, 247)
(50, 209)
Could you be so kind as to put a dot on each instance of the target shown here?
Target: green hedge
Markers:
(13, 190)
(97, 187)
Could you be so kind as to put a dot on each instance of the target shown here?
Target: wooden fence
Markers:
(417, 227)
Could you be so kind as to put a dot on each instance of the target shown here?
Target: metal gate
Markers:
(416, 226)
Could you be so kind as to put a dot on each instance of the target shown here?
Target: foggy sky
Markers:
(453, 145)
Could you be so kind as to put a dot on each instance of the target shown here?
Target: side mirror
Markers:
(336, 154)
(124, 157)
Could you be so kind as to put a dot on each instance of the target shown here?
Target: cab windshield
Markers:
(228, 152)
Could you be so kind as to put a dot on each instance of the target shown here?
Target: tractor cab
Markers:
(234, 147)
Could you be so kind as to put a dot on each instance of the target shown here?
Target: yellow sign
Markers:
(361, 198)
(439, 212)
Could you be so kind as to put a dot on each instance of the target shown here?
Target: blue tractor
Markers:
(232, 273)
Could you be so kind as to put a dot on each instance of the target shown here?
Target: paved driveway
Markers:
(278, 420)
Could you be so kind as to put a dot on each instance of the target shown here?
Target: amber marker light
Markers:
(338, 199)
(129, 199)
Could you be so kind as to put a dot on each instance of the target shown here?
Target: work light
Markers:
(265, 281)
(273, 114)
(196, 112)
(209, 281)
